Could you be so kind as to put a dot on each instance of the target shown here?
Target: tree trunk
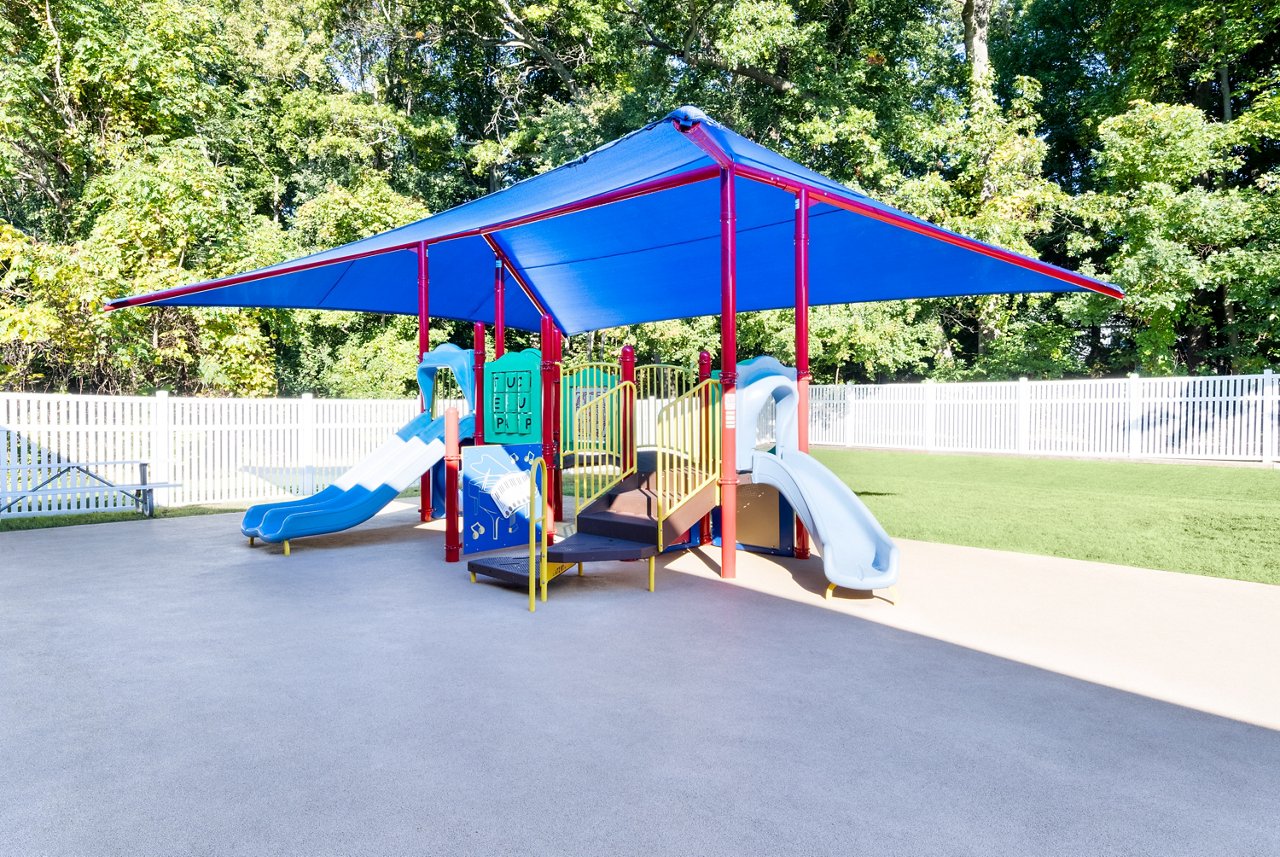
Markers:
(1224, 83)
(977, 25)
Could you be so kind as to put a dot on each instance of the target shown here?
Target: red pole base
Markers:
(801, 550)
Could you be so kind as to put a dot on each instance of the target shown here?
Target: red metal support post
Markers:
(424, 345)
(452, 460)
(627, 362)
(499, 308)
(728, 374)
(802, 345)
(704, 374)
(478, 411)
(546, 337)
(556, 474)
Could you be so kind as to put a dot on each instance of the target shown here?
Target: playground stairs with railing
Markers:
(620, 525)
(628, 503)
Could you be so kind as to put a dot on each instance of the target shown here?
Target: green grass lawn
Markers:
(1219, 521)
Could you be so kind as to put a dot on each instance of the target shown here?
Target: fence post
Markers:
(1135, 416)
(848, 415)
(307, 442)
(1023, 416)
(161, 445)
(930, 416)
(1268, 417)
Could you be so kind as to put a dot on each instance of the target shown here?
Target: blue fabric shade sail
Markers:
(631, 233)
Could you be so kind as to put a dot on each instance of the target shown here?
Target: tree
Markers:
(1189, 250)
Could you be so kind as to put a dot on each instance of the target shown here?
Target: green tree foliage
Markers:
(1194, 252)
(151, 143)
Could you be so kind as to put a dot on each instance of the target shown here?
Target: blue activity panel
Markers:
(495, 495)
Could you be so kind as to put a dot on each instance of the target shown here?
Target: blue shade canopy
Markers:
(630, 233)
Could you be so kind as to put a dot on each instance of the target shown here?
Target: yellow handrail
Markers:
(603, 453)
(688, 440)
(537, 524)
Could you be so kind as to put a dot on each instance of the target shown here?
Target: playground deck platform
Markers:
(165, 689)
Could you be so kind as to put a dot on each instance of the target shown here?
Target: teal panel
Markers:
(513, 393)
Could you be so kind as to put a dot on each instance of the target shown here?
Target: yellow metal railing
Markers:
(662, 381)
(603, 452)
(656, 385)
(688, 441)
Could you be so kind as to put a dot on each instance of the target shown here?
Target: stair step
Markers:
(633, 528)
(587, 547)
(513, 569)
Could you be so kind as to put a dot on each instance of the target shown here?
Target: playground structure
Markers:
(637, 493)
(623, 236)
(638, 487)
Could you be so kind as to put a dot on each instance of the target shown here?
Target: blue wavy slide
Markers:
(363, 490)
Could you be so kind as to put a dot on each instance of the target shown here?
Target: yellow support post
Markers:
(541, 516)
(286, 547)
(830, 589)
(250, 541)
(651, 563)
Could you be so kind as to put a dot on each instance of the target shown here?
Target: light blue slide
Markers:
(373, 483)
(856, 551)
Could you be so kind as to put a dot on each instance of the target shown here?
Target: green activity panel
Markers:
(513, 388)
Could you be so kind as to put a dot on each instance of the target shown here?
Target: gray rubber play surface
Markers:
(166, 690)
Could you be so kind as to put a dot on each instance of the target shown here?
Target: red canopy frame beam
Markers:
(619, 195)
(817, 194)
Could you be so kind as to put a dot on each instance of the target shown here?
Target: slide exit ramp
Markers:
(856, 551)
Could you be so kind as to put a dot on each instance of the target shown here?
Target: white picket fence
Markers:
(218, 450)
(248, 450)
(1227, 418)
